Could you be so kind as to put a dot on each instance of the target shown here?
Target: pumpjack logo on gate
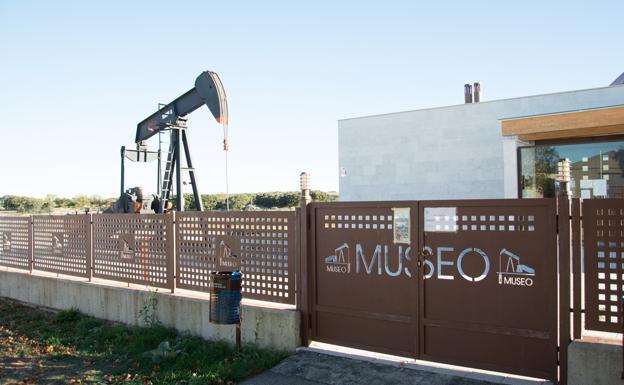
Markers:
(340, 262)
(514, 273)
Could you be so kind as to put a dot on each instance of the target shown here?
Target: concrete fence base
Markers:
(267, 325)
(594, 363)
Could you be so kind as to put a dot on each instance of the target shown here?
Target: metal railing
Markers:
(134, 248)
(264, 243)
(176, 250)
(62, 244)
(575, 253)
(16, 242)
(601, 255)
(180, 250)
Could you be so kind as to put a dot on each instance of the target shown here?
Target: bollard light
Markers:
(304, 181)
(563, 168)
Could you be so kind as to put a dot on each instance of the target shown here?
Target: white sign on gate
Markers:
(441, 219)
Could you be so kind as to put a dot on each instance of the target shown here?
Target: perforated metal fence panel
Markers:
(134, 248)
(262, 244)
(15, 242)
(62, 244)
(603, 226)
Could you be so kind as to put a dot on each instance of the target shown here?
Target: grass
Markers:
(37, 346)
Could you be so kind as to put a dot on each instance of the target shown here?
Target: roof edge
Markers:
(484, 102)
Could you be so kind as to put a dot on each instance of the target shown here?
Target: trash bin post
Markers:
(238, 337)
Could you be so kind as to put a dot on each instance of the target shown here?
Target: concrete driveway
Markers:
(311, 368)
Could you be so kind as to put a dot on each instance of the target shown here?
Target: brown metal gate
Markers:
(489, 297)
(482, 293)
(365, 288)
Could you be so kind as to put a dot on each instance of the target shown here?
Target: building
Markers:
(495, 149)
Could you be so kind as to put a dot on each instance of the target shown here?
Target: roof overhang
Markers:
(575, 124)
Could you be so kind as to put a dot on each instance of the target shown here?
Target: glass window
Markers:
(597, 169)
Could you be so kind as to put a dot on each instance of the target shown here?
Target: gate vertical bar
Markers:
(297, 262)
(420, 245)
(302, 301)
(311, 285)
(420, 256)
(563, 208)
(303, 282)
(576, 267)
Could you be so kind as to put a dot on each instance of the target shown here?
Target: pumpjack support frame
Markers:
(177, 145)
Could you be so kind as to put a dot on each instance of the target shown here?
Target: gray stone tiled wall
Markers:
(453, 152)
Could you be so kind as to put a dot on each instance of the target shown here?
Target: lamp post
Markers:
(303, 299)
(563, 176)
(304, 183)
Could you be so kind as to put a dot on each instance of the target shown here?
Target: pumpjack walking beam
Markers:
(208, 91)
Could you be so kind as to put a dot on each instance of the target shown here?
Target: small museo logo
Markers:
(513, 273)
(340, 262)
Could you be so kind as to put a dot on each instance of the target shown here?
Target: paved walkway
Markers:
(311, 368)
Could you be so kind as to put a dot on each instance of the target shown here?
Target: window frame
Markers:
(559, 142)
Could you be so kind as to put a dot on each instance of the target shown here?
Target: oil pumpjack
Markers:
(171, 117)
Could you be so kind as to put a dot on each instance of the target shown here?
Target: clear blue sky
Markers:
(76, 77)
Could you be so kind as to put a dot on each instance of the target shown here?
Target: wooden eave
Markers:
(585, 123)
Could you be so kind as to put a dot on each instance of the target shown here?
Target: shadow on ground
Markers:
(309, 368)
(44, 370)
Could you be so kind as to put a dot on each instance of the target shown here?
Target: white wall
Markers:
(455, 152)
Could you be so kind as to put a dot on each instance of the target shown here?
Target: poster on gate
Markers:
(401, 225)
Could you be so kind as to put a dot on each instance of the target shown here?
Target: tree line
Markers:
(23, 204)
(258, 201)
(246, 201)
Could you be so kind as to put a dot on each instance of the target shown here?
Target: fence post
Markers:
(31, 243)
(90, 248)
(170, 225)
(302, 300)
(577, 272)
(563, 209)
